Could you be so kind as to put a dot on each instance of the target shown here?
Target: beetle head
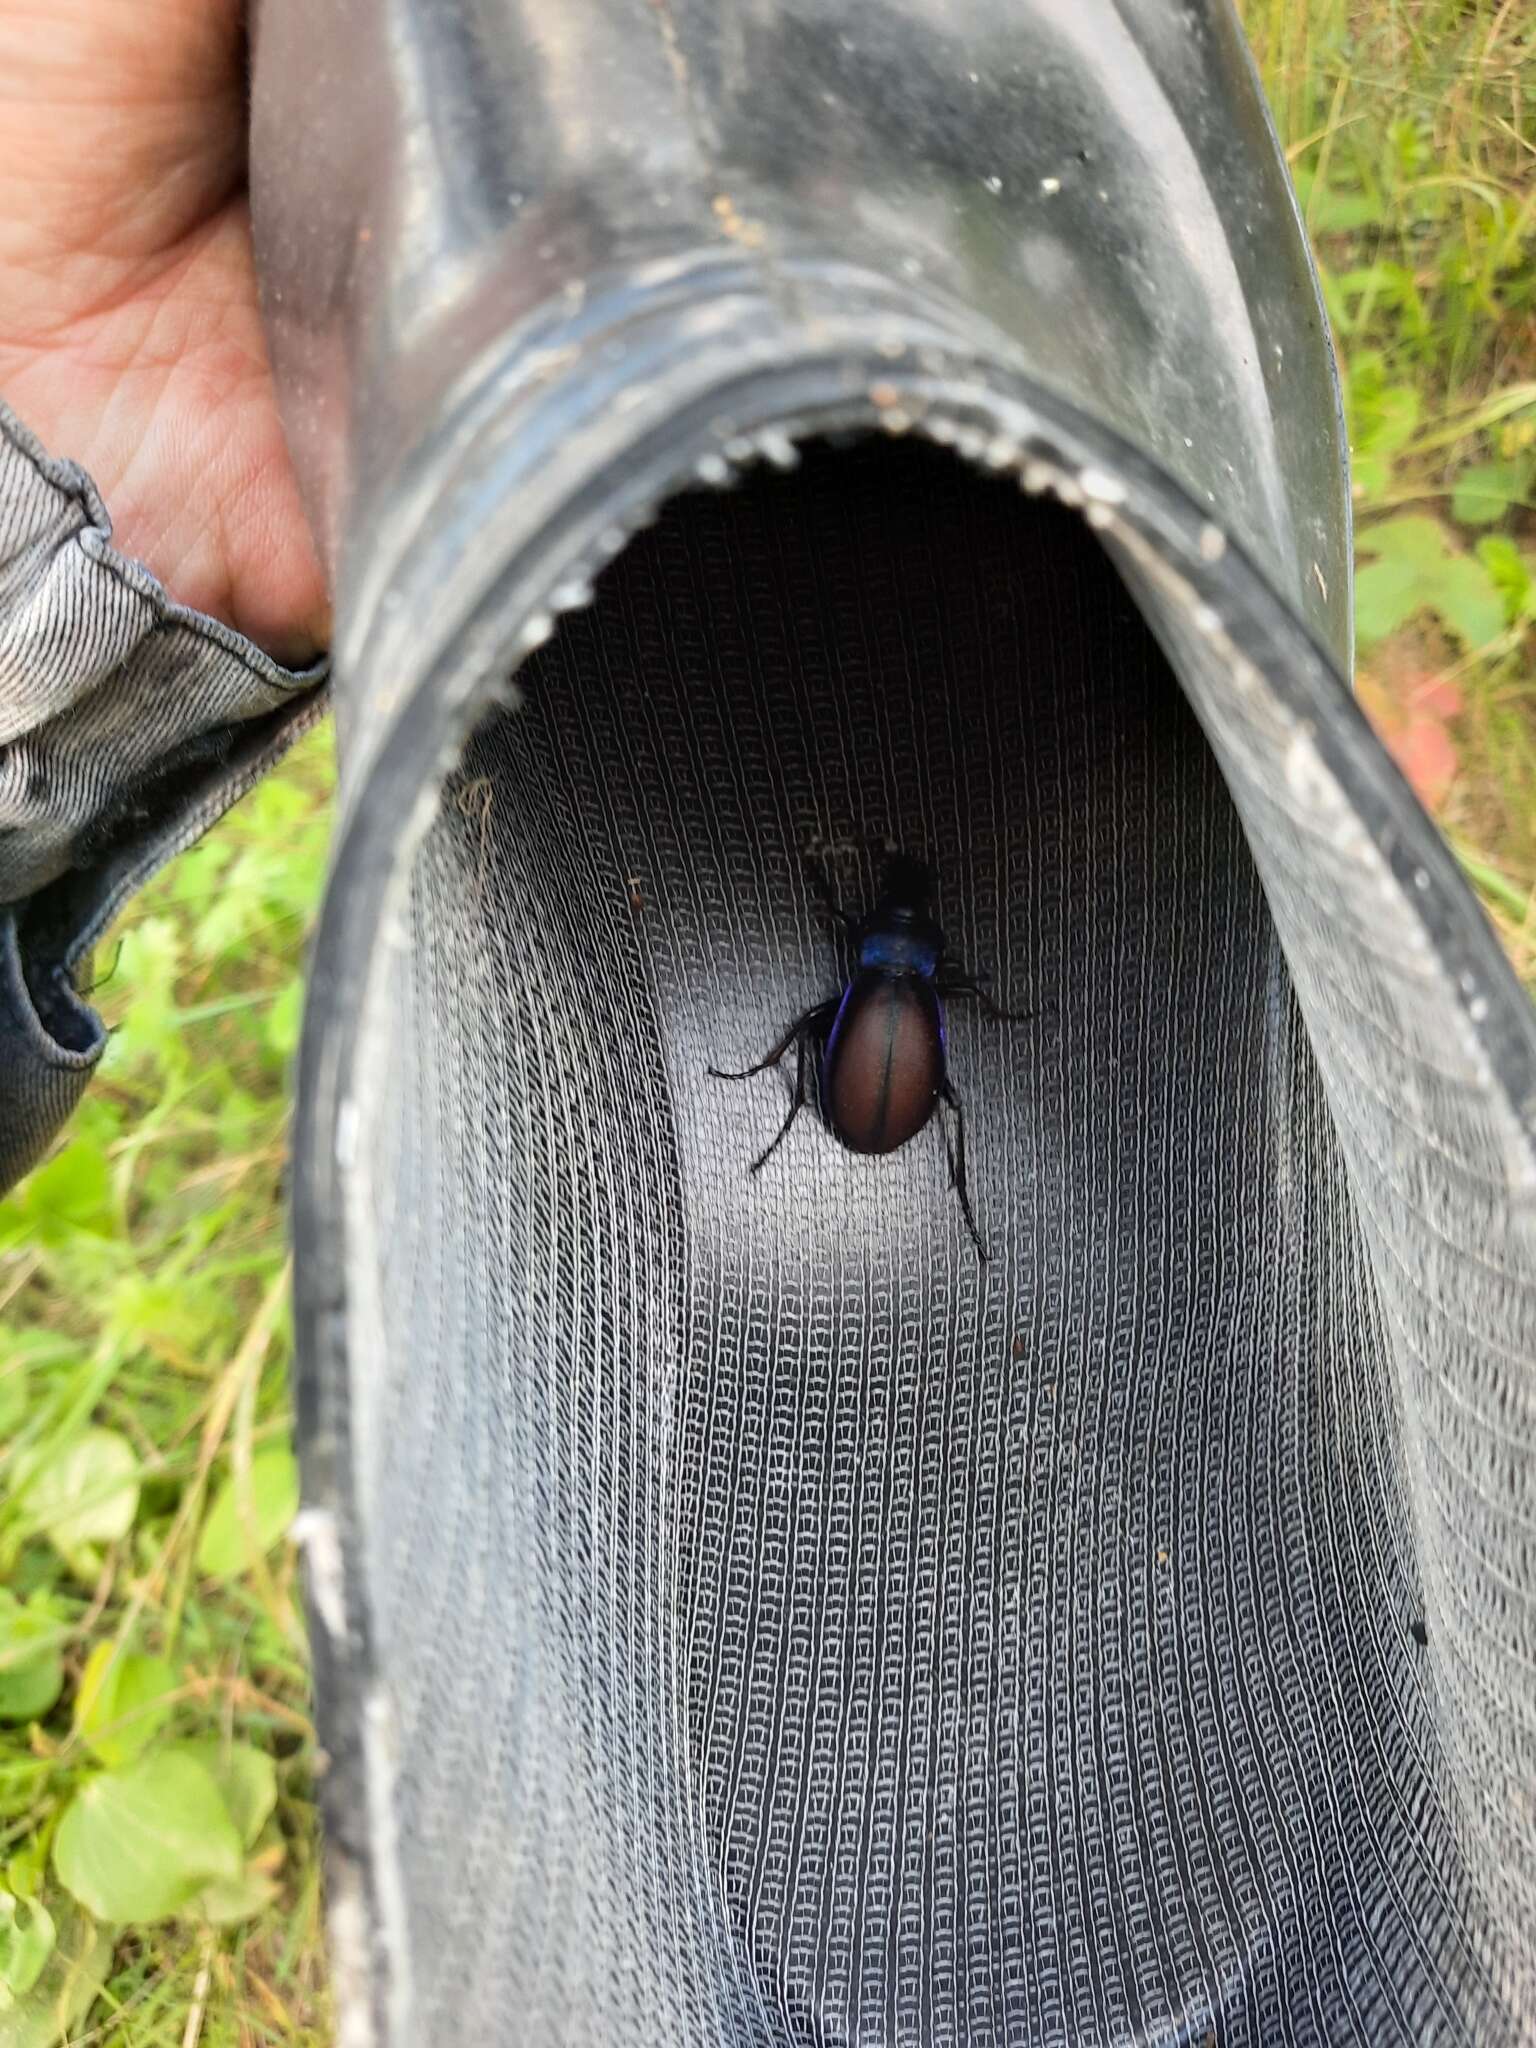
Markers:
(906, 889)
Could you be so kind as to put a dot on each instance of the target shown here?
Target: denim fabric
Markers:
(128, 725)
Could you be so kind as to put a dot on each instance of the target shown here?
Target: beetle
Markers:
(882, 1064)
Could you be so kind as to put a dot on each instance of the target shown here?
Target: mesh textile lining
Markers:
(796, 1633)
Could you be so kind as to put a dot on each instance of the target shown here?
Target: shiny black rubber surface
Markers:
(447, 190)
(843, 1645)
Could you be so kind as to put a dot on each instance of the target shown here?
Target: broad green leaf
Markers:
(1382, 416)
(245, 1778)
(1384, 419)
(1417, 568)
(150, 1308)
(1412, 539)
(74, 1973)
(23, 1873)
(1365, 280)
(225, 1548)
(1514, 576)
(70, 1194)
(1370, 475)
(27, 1937)
(1334, 210)
(1396, 416)
(227, 1902)
(31, 1668)
(1387, 594)
(123, 1701)
(139, 1844)
(1468, 601)
(86, 1491)
(38, 1349)
(1485, 492)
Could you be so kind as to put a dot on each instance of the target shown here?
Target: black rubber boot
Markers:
(745, 433)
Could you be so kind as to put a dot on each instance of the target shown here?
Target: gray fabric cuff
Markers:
(128, 725)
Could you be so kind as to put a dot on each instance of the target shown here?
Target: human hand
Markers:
(129, 334)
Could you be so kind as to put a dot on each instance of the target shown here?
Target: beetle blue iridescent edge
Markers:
(880, 1047)
(900, 950)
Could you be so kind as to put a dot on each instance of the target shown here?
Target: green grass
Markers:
(143, 1289)
(1411, 133)
(142, 1270)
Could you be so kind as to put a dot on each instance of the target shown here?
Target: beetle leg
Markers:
(956, 1155)
(804, 1026)
(968, 985)
(769, 1059)
(795, 1107)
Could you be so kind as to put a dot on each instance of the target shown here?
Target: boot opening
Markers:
(796, 1630)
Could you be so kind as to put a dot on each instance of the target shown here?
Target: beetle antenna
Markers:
(818, 878)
